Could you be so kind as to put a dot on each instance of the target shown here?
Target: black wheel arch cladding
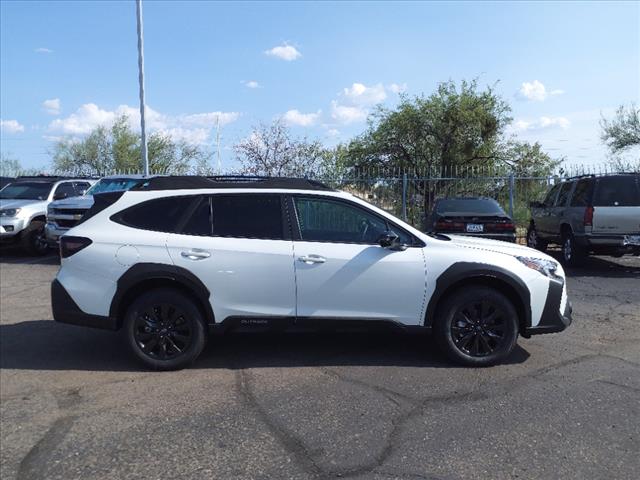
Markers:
(465, 273)
(151, 275)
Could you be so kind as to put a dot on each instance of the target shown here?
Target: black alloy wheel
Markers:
(476, 326)
(165, 329)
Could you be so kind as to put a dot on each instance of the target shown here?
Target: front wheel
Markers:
(165, 329)
(477, 326)
(33, 239)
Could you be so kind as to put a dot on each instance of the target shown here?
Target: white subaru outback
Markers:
(178, 257)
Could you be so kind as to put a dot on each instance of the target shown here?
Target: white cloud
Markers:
(11, 126)
(360, 94)
(284, 52)
(345, 114)
(542, 123)
(43, 50)
(294, 117)
(398, 87)
(52, 107)
(333, 132)
(251, 84)
(536, 91)
(194, 128)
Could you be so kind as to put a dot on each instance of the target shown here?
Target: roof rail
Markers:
(598, 175)
(229, 181)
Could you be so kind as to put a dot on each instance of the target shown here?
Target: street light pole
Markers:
(145, 158)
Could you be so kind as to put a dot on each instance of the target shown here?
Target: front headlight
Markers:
(9, 212)
(546, 267)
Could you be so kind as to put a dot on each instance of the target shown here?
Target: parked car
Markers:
(471, 216)
(23, 208)
(593, 214)
(65, 214)
(168, 260)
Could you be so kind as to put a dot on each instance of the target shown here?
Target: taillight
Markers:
(444, 225)
(70, 245)
(588, 217)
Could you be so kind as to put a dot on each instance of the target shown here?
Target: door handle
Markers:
(309, 259)
(195, 254)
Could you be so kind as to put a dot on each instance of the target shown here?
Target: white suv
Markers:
(179, 256)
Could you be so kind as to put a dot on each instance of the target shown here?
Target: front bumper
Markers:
(65, 310)
(552, 319)
(10, 227)
(53, 233)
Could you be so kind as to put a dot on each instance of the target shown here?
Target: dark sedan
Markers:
(473, 216)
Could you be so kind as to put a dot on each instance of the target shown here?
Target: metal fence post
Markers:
(404, 196)
(511, 191)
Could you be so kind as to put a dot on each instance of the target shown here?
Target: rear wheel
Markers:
(33, 239)
(165, 329)
(534, 240)
(477, 326)
(572, 254)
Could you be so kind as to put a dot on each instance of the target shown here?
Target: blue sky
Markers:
(66, 67)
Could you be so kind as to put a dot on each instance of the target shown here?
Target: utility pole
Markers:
(143, 149)
(218, 145)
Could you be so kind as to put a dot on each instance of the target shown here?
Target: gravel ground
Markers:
(75, 404)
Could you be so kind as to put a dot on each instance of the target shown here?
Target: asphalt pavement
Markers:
(75, 404)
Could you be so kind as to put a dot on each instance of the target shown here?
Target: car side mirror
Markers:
(391, 241)
(60, 196)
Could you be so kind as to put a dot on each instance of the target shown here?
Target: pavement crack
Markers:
(292, 444)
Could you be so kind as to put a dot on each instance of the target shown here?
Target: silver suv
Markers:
(23, 206)
(589, 214)
(66, 213)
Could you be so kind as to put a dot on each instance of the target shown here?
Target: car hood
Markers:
(17, 203)
(84, 201)
(496, 246)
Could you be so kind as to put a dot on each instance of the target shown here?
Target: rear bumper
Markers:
(65, 310)
(606, 241)
(552, 319)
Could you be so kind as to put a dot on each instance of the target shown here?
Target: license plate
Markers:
(475, 227)
(631, 240)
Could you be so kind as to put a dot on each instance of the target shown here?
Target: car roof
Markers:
(230, 182)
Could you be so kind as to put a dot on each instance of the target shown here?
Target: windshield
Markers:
(113, 185)
(470, 206)
(26, 191)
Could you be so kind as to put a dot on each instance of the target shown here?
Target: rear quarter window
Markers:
(619, 191)
(583, 193)
(158, 215)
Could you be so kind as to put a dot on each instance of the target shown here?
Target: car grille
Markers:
(66, 223)
(69, 211)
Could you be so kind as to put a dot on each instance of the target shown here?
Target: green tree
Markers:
(9, 165)
(453, 126)
(117, 149)
(623, 131)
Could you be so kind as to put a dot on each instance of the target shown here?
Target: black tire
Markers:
(534, 240)
(572, 254)
(476, 326)
(33, 240)
(165, 329)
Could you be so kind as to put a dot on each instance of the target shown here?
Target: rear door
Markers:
(342, 272)
(542, 215)
(240, 247)
(616, 205)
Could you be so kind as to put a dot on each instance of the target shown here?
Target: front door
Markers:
(239, 247)
(343, 273)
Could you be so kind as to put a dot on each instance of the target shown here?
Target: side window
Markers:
(561, 201)
(159, 215)
(64, 190)
(582, 193)
(248, 216)
(551, 196)
(81, 187)
(200, 221)
(323, 220)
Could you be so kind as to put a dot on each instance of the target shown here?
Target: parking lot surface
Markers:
(75, 404)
